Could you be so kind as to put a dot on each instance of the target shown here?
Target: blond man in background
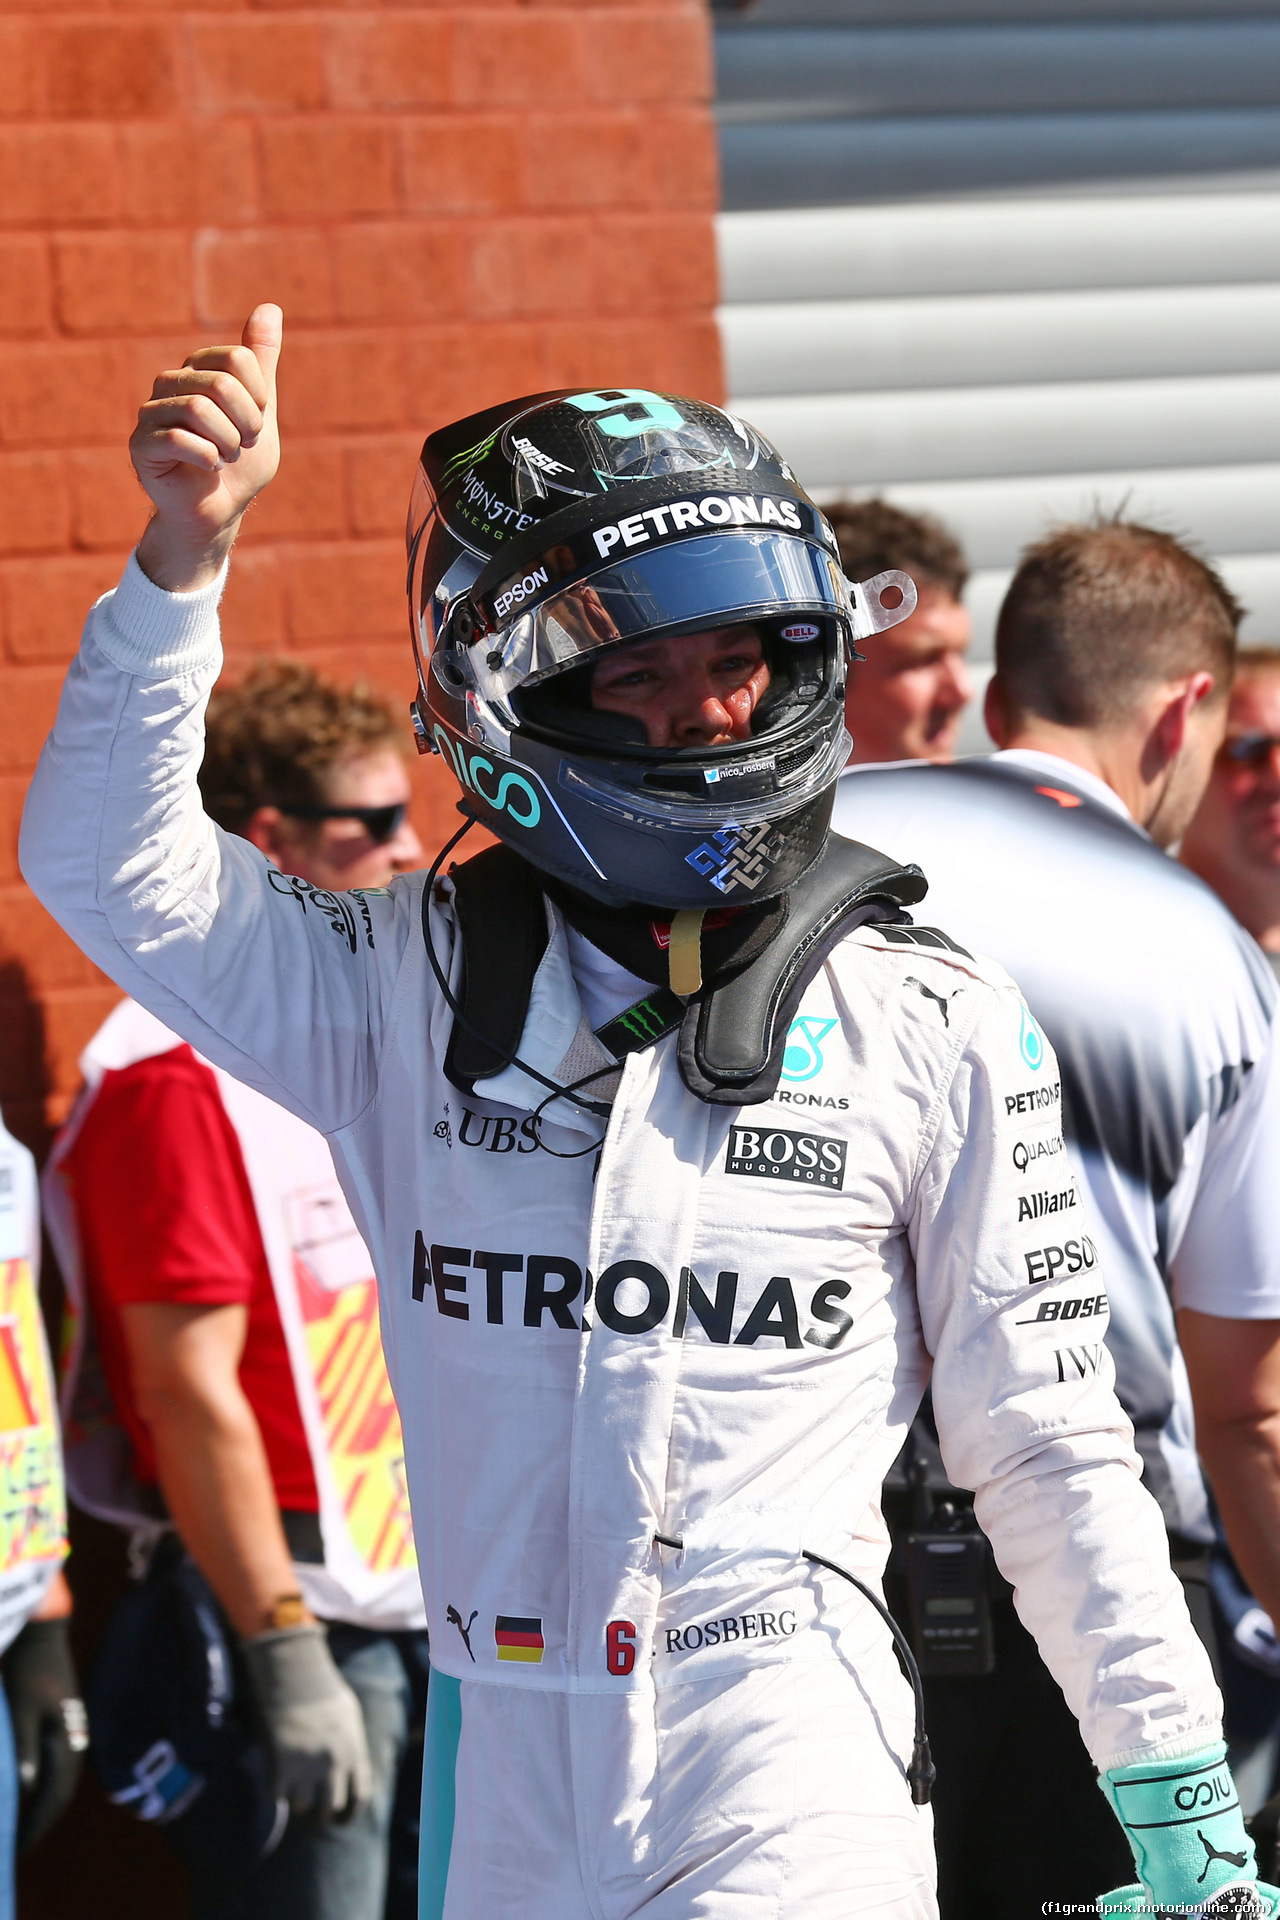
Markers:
(232, 1309)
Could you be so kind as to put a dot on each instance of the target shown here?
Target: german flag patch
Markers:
(519, 1637)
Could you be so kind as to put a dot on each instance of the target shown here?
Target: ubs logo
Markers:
(776, 1153)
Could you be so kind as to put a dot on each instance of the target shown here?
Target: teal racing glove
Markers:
(1183, 1821)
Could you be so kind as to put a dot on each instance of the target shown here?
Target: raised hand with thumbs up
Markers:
(205, 446)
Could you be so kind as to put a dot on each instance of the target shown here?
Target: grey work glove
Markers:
(50, 1732)
(313, 1724)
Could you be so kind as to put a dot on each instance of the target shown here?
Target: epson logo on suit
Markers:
(689, 516)
(776, 1153)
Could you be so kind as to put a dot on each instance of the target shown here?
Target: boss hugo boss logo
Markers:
(776, 1153)
(689, 516)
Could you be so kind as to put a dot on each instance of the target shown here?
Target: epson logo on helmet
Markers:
(802, 630)
(518, 591)
(691, 516)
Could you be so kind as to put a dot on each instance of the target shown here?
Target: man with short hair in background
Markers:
(233, 1309)
(1115, 648)
(1233, 843)
(1234, 840)
(906, 701)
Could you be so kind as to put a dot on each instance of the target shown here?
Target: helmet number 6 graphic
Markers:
(620, 1646)
(627, 412)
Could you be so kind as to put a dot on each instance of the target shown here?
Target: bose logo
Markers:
(519, 590)
(686, 516)
(778, 1154)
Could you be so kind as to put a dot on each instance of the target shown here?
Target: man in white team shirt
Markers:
(647, 1404)
(230, 1304)
(1114, 653)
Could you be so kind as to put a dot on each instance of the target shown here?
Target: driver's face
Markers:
(696, 691)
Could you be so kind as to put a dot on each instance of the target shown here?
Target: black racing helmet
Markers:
(552, 530)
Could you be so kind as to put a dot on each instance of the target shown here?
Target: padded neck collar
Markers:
(756, 967)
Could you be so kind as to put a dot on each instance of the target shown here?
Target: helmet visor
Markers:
(712, 581)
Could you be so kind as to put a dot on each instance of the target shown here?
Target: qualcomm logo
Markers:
(802, 1058)
(1031, 1041)
(514, 797)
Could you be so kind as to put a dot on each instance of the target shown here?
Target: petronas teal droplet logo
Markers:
(1031, 1040)
(802, 1058)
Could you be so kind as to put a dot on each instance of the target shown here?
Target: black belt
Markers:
(303, 1536)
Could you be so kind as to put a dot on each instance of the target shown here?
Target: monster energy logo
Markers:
(643, 1020)
(469, 456)
(639, 1026)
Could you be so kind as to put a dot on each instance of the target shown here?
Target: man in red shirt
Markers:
(245, 1367)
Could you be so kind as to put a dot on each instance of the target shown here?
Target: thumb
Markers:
(263, 331)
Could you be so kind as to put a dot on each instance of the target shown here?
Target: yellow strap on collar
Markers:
(684, 952)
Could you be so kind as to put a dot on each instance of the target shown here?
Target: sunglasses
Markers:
(380, 823)
(1251, 750)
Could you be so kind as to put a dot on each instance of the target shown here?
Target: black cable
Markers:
(921, 1773)
(556, 1090)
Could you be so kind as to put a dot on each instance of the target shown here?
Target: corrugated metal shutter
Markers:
(1010, 267)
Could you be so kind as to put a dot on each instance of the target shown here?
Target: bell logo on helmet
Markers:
(803, 630)
(515, 797)
(628, 411)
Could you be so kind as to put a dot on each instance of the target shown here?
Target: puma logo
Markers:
(1212, 1854)
(942, 1002)
(454, 1618)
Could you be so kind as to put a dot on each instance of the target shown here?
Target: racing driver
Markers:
(684, 1157)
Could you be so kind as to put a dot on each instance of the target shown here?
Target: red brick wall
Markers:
(453, 204)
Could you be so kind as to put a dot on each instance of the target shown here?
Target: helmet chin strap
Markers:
(684, 951)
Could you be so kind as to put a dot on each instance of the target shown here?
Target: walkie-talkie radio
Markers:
(949, 1588)
(949, 1579)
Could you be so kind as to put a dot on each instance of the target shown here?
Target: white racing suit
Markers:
(715, 1328)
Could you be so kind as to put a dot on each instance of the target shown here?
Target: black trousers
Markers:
(1018, 1816)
